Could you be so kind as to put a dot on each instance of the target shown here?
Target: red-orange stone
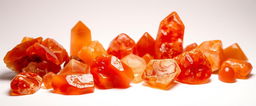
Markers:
(241, 68)
(16, 59)
(89, 53)
(145, 45)
(110, 72)
(227, 74)
(41, 68)
(170, 37)
(147, 57)
(121, 46)
(190, 47)
(47, 80)
(25, 84)
(57, 49)
(73, 79)
(234, 51)
(195, 68)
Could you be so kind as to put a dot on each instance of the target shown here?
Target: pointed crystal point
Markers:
(80, 37)
(145, 45)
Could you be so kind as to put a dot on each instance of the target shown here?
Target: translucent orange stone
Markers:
(110, 72)
(241, 68)
(57, 49)
(137, 65)
(145, 45)
(121, 46)
(227, 74)
(191, 47)
(17, 58)
(161, 73)
(147, 57)
(47, 80)
(73, 79)
(41, 68)
(89, 53)
(25, 39)
(170, 37)
(234, 51)
(25, 84)
(80, 37)
(195, 68)
(214, 52)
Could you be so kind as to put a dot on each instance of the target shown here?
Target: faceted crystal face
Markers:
(73, 79)
(74, 67)
(89, 53)
(121, 46)
(80, 37)
(73, 84)
(195, 68)
(213, 52)
(145, 45)
(25, 84)
(161, 73)
(137, 65)
(241, 68)
(47, 80)
(170, 37)
(226, 74)
(110, 72)
(191, 47)
(234, 51)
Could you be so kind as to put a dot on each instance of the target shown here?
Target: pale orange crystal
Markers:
(137, 65)
(80, 37)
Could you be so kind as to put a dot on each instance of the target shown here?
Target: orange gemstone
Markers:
(170, 37)
(214, 53)
(195, 68)
(145, 45)
(227, 74)
(191, 47)
(241, 68)
(17, 58)
(89, 53)
(73, 79)
(47, 80)
(234, 51)
(110, 72)
(137, 65)
(25, 84)
(80, 37)
(121, 46)
(161, 73)
(25, 39)
(147, 57)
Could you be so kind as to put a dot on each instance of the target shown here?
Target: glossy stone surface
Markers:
(145, 45)
(214, 53)
(161, 73)
(80, 37)
(190, 47)
(121, 46)
(89, 53)
(147, 57)
(73, 79)
(195, 68)
(47, 80)
(137, 65)
(234, 51)
(226, 74)
(25, 84)
(110, 72)
(169, 41)
(241, 68)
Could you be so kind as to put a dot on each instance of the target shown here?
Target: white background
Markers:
(228, 20)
